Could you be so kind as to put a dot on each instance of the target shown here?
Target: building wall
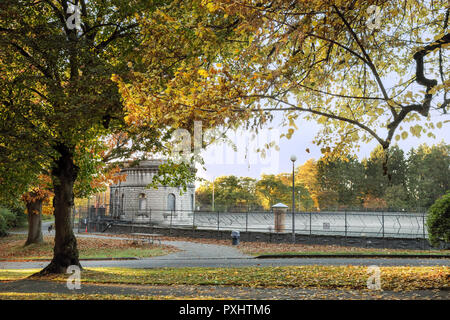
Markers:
(156, 200)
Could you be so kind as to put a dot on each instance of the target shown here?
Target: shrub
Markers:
(20, 216)
(438, 221)
(7, 220)
(3, 226)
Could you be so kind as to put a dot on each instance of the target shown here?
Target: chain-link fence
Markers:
(345, 223)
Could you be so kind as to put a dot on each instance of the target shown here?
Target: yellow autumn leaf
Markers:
(203, 73)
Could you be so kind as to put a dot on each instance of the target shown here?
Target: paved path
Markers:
(194, 254)
(162, 262)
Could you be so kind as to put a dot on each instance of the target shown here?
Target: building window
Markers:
(171, 202)
(142, 202)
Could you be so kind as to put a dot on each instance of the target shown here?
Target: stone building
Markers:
(132, 200)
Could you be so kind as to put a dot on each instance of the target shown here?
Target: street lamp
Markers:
(213, 194)
(293, 159)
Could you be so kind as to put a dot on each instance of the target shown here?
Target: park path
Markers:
(193, 254)
(188, 250)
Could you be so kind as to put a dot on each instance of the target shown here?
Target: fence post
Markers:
(218, 224)
(170, 228)
(78, 224)
(382, 222)
(193, 223)
(423, 225)
(246, 221)
(150, 220)
(89, 220)
(310, 219)
(345, 222)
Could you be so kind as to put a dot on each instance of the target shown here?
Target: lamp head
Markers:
(293, 158)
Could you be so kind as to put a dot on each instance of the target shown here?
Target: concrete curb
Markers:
(417, 256)
(87, 259)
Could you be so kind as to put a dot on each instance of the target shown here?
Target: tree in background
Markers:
(376, 183)
(336, 183)
(307, 176)
(341, 180)
(428, 175)
(34, 199)
(272, 190)
(230, 193)
(302, 196)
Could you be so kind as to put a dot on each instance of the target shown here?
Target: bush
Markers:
(20, 216)
(438, 221)
(7, 220)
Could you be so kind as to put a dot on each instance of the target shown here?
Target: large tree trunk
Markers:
(34, 209)
(65, 252)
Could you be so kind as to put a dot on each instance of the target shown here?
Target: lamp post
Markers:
(293, 159)
(213, 195)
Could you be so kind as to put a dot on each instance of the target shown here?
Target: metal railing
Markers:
(344, 223)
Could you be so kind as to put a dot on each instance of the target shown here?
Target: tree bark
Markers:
(65, 252)
(34, 210)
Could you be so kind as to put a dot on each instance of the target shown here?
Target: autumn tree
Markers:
(363, 69)
(306, 175)
(230, 193)
(271, 189)
(58, 94)
(34, 199)
(61, 64)
(302, 196)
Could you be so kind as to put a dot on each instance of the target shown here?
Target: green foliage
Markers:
(428, 175)
(376, 182)
(438, 221)
(397, 197)
(8, 219)
(340, 181)
(174, 175)
(230, 193)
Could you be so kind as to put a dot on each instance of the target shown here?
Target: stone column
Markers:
(279, 212)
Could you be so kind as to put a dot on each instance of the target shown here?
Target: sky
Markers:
(220, 159)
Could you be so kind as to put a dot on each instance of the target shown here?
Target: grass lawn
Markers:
(258, 248)
(264, 248)
(11, 248)
(319, 277)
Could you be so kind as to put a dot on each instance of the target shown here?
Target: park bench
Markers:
(147, 237)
